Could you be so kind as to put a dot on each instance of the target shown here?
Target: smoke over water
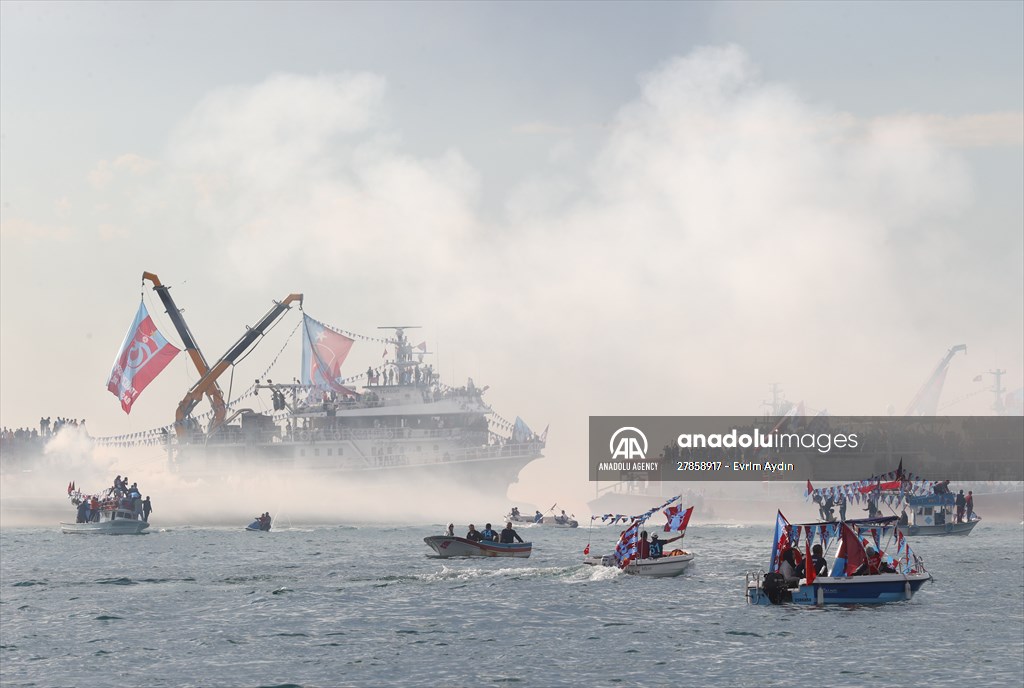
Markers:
(718, 232)
(233, 495)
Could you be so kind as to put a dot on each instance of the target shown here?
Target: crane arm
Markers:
(244, 343)
(213, 392)
(927, 399)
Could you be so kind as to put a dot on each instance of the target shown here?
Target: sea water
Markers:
(369, 605)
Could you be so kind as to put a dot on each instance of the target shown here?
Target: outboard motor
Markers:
(775, 588)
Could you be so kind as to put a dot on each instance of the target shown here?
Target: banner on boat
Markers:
(143, 355)
(794, 447)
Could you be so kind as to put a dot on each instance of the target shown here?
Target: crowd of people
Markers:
(121, 496)
(17, 438)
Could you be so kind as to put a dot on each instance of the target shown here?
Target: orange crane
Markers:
(213, 392)
(208, 381)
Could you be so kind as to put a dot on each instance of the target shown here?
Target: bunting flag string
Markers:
(890, 488)
(612, 519)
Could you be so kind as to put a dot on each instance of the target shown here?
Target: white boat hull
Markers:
(662, 567)
(950, 528)
(121, 526)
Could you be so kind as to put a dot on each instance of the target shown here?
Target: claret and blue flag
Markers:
(323, 352)
(143, 355)
(676, 518)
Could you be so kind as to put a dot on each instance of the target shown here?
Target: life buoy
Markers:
(337, 434)
(304, 435)
(389, 434)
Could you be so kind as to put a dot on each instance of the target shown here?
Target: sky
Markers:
(592, 208)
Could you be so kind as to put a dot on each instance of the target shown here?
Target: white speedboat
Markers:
(663, 567)
(452, 546)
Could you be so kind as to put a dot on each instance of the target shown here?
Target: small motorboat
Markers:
(670, 565)
(637, 556)
(854, 578)
(453, 546)
(537, 519)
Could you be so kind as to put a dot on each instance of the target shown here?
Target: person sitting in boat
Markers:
(820, 565)
(643, 546)
(473, 535)
(904, 519)
(488, 534)
(451, 530)
(874, 565)
(538, 517)
(658, 545)
(515, 512)
(562, 519)
(508, 535)
(788, 568)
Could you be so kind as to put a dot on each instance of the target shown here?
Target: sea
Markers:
(369, 605)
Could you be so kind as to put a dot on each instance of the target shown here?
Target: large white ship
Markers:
(399, 420)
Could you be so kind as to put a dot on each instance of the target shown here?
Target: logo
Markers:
(632, 444)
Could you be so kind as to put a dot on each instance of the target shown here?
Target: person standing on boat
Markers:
(961, 506)
(842, 507)
(147, 508)
(658, 545)
(83, 512)
(508, 535)
(488, 534)
(473, 535)
(969, 502)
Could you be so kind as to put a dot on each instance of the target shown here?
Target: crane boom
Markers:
(214, 392)
(926, 401)
(207, 381)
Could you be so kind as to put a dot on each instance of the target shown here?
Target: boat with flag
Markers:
(453, 546)
(396, 417)
(636, 554)
(927, 507)
(106, 513)
(861, 572)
